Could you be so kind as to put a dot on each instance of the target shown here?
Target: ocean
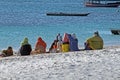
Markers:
(27, 18)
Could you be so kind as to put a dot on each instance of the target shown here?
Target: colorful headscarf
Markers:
(65, 37)
(40, 42)
(25, 41)
(74, 35)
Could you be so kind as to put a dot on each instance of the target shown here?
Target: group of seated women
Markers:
(26, 49)
(69, 42)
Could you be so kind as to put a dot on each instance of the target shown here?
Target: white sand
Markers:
(83, 65)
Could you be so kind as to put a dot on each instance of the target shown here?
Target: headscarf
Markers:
(65, 37)
(96, 33)
(25, 41)
(74, 35)
(40, 42)
(9, 47)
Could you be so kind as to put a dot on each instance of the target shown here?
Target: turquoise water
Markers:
(27, 18)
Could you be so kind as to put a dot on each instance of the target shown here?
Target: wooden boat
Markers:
(101, 3)
(115, 32)
(66, 14)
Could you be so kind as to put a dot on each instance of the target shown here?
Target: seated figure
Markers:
(53, 48)
(25, 48)
(65, 44)
(95, 42)
(8, 52)
(40, 46)
(59, 43)
(70, 41)
(73, 42)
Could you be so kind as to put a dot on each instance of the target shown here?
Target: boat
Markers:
(118, 3)
(115, 31)
(101, 3)
(66, 14)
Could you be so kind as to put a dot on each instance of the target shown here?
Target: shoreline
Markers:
(80, 48)
(105, 48)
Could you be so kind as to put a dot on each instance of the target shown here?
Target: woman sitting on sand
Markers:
(25, 47)
(8, 52)
(59, 43)
(53, 48)
(95, 42)
(40, 46)
(73, 42)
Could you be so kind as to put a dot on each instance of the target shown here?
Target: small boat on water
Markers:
(66, 14)
(101, 3)
(115, 31)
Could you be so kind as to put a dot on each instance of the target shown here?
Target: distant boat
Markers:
(101, 3)
(117, 3)
(115, 31)
(66, 14)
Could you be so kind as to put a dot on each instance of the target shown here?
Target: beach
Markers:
(79, 65)
(27, 18)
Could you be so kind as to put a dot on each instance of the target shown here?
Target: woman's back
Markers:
(96, 42)
(25, 49)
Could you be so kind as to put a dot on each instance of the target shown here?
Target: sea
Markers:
(27, 18)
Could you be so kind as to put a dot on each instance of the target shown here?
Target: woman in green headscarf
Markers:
(25, 41)
(25, 47)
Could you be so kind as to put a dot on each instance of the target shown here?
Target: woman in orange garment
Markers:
(40, 46)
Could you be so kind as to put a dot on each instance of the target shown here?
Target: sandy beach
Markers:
(80, 65)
